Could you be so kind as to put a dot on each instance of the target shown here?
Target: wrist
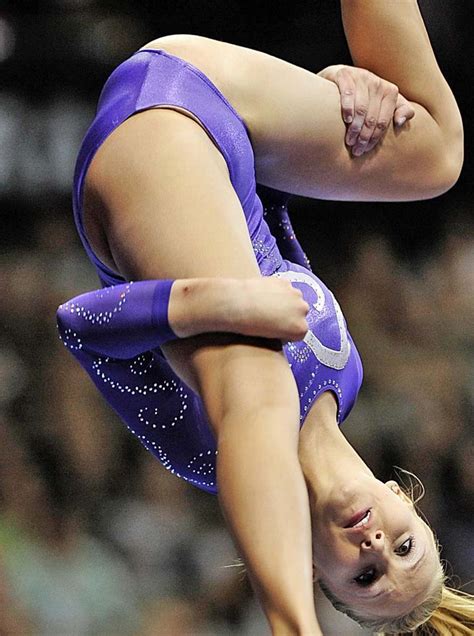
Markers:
(200, 305)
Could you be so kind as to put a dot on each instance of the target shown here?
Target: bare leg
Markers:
(170, 211)
(294, 116)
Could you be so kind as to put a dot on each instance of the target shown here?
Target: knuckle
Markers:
(382, 124)
(392, 89)
(376, 82)
(361, 110)
(286, 286)
(370, 122)
(301, 328)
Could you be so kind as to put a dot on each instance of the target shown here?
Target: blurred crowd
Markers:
(95, 536)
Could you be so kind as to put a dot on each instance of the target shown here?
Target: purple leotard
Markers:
(116, 332)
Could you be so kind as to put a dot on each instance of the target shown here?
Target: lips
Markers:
(360, 519)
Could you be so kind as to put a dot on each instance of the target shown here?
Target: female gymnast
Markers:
(190, 353)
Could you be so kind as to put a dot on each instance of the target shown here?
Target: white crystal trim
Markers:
(335, 359)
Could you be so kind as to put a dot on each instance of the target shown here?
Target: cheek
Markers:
(333, 556)
(402, 517)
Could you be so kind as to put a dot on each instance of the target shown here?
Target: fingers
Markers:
(301, 306)
(394, 106)
(361, 107)
(368, 105)
(387, 107)
(347, 89)
(403, 111)
(371, 120)
(296, 324)
(300, 325)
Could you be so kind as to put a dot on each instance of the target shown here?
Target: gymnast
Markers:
(190, 354)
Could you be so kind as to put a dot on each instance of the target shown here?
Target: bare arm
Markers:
(294, 118)
(390, 39)
(297, 130)
(262, 307)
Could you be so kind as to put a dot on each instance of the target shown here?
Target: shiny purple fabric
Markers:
(115, 333)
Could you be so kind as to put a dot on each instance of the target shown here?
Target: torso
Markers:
(226, 66)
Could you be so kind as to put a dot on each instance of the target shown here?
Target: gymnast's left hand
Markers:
(368, 105)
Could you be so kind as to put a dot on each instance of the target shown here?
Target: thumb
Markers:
(404, 111)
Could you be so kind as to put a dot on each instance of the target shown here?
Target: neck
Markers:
(326, 457)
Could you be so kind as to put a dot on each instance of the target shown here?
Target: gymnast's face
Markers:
(373, 551)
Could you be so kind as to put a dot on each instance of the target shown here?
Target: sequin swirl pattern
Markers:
(71, 338)
(326, 359)
(123, 356)
(101, 317)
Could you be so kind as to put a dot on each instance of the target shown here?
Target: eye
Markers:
(366, 578)
(406, 547)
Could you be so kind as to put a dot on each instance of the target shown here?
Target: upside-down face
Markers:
(372, 550)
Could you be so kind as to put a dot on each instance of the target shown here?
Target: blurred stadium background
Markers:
(95, 537)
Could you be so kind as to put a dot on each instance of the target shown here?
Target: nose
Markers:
(374, 540)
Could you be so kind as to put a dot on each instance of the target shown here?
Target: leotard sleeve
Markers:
(120, 321)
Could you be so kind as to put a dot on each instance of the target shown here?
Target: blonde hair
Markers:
(445, 612)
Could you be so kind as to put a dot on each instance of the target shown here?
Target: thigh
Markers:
(295, 123)
(167, 206)
(168, 210)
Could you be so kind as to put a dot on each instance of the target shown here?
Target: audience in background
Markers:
(96, 537)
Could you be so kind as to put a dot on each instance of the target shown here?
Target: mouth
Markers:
(359, 519)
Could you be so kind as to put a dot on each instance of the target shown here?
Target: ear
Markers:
(395, 487)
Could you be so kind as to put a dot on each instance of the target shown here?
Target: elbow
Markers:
(438, 155)
(442, 180)
(67, 334)
(444, 173)
(453, 155)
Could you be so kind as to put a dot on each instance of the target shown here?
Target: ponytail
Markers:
(446, 612)
(454, 616)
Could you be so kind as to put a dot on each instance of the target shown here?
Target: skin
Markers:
(296, 151)
(259, 307)
(340, 485)
(135, 201)
(234, 376)
(367, 104)
(265, 307)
